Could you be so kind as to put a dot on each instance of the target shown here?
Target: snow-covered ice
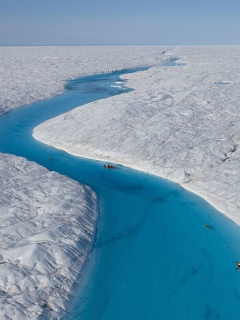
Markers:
(181, 123)
(178, 123)
(47, 226)
(47, 221)
(28, 74)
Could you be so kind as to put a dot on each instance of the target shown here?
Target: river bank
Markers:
(48, 275)
(178, 123)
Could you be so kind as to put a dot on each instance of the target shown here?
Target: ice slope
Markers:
(181, 123)
(47, 226)
(47, 221)
(28, 74)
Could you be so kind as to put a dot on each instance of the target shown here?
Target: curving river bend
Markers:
(153, 257)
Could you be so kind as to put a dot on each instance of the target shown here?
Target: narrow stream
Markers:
(153, 257)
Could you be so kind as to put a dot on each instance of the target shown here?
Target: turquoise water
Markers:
(153, 257)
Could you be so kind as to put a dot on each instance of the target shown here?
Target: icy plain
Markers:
(47, 220)
(181, 123)
(29, 74)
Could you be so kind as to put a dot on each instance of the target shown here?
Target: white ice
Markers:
(178, 123)
(28, 74)
(47, 221)
(47, 226)
(181, 123)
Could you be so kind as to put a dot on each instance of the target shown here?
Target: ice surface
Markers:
(178, 123)
(181, 123)
(47, 221)
(47, 226)
(28, 74)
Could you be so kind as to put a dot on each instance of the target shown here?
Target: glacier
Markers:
(48, 220)
(178, 123)
(29, 74)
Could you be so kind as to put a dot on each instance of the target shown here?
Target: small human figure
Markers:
(50, 158)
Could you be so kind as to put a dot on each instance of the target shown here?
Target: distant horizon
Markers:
(115, 45)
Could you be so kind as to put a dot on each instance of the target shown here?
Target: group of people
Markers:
(109, 166)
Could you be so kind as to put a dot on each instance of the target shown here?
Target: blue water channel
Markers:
(161, 252)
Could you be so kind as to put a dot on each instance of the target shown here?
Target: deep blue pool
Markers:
(154, 256)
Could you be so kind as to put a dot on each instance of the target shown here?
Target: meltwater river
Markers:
(153, 256)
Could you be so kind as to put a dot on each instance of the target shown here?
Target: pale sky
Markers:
(95, 22)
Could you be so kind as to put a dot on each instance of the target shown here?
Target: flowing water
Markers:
(160, 252)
